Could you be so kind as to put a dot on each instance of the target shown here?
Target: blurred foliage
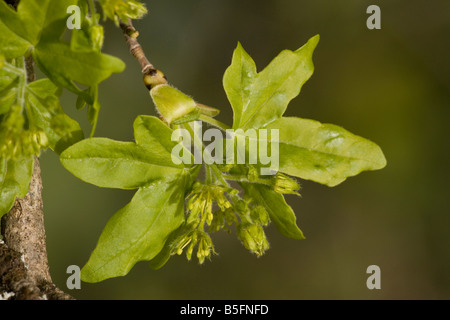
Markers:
(390, 85)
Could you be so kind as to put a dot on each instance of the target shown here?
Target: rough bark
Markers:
(24, 269)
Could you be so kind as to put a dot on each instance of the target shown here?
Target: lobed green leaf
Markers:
(66, 67)
(259, 98)
(112, 164)
(138, 231)
(22, 29)
(324, 153)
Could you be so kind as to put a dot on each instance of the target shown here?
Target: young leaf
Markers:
(112, 164)
(15, 176)
(22, 29)
(47, 113)
(172, 103)
(324, 153)
(258, 99)
(40, 100)
(65, 67)
(280, 213)
(238, 82)
(40, 26)
(8, 90)
(153, 133)
(138, 231)
(12, 44)
(164, 255)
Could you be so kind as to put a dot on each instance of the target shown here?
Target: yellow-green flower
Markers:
(253, 238)
(285, 185)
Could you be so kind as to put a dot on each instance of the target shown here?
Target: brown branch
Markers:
(15, 283)
(23, 229)
(131, 34)
(152, 76)
(24, 268)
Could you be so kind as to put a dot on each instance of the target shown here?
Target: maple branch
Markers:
(152, 76)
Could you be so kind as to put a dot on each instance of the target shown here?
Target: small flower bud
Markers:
(96, 34)
(253, 238)
(205, 246)
(191, 246)
(285, 185)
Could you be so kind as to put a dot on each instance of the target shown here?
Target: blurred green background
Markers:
(390, 85)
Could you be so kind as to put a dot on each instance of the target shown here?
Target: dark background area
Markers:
(390, 86)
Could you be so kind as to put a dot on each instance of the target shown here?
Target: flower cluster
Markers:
(230, 209)
(250, 229)
(16, 140)
(199, 207)
(192, 238)
(130, 9)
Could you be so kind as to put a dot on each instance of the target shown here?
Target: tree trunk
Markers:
(24, 271)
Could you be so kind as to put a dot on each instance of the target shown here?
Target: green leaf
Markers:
(22, 29)
(90, 36)
(39, 25)
(238, 82)
(8, 90)
(324, 153)
(47, 113)
(280, 213)
(172, 103)
(15, 176)
(112, 164)
(259, 98)
(164, 255)
(29, 13)
(138, 231)
(66, 67)
(11, 44)
(153, 133)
